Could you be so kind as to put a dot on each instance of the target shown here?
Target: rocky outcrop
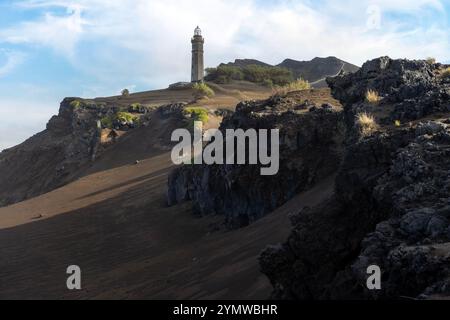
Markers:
(310, 137)
(48, 159)
(391, 201)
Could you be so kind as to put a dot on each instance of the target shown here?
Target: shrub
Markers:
(107, 122)
(297, 85)
(268, 83)
(431, 60)
(224, 74)
(125, 92)
(201, 90)
(126, 117)
(445, 73)
(372, 97)
(366, 124)
(76, 104)
(259, 74)
(197, 114)
(135, 107)
(253, 73)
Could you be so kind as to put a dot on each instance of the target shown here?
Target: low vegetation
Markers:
(297, 85)
(372, 97)
(135, 107)
(197, 114)
(124, 117)
(224, 74)
(431, 60)
(445, 74)
(263, 75)
(76, 104)
(366, 123)
(107, 122)
(202, 90)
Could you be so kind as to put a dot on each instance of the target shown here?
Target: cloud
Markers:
(60, 33)
(111, 44)
(12, 59)
(155, 34)
(20, 118)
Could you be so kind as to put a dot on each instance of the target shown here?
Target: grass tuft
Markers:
(297, 85)
(202, 90)
(372, 97)
(366, 123)
(197, 114)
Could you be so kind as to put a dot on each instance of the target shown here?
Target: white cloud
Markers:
(155, 34)
(20, 118)
(112, 43)
(11, 60)
(61, 33)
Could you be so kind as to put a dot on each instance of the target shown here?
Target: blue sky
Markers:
(50, 49)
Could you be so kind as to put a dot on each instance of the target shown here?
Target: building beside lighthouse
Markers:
(197, 69)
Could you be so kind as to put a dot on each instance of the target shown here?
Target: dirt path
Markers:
(325, 78)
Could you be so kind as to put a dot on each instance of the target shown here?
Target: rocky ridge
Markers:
(391, 201)
(310, 136)
(73, 139)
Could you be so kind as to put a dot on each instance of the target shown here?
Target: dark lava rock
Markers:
(391, 201)
(309, 151)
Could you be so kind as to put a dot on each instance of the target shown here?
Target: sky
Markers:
(50, 49)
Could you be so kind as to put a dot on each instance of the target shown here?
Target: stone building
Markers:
(197, 71)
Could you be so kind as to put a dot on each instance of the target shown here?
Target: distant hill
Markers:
(315, 70)
(242, 63)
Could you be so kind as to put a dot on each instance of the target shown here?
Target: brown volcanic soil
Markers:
(114, 224)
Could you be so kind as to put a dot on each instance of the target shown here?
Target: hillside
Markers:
(71, 141)
(363, 181)
(315, 71)
(115, 224)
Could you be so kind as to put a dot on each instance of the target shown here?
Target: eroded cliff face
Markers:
(74, 138)
(310, 139)
(47, 160)
(392, 195)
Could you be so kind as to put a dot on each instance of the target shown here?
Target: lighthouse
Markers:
(197, 70)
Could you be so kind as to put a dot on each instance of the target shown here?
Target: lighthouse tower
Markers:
(197, 71)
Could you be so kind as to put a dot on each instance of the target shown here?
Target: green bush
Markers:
(135, 107)
(197, 114)
(261, 74)
(268, 83)
(201, 89)
(445, 73)
(224, 74)
(297, 85)
(107, 122)
(126, 117)
(253, 73)
(76, 104)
